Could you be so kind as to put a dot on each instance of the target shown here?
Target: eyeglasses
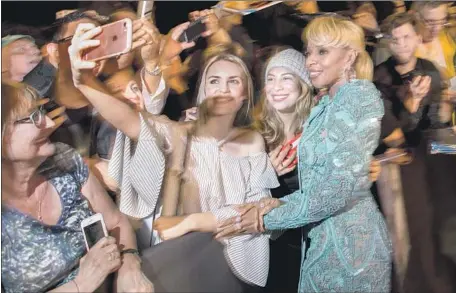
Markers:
(37, 117)
(64, 40)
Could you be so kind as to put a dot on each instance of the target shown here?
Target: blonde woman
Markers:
(221, 165)
(350, 249)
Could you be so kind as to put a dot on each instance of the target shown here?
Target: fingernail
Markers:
(238, 219)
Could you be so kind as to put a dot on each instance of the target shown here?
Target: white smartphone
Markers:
(94, 229)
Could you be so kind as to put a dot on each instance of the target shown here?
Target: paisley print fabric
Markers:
(350, 249)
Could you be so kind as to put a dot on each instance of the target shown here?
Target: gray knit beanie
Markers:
(291, 60)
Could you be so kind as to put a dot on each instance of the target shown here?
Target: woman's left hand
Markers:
(130, 277)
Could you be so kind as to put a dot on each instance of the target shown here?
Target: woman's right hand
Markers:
(281, 164)
(101, 260)
(82, 40)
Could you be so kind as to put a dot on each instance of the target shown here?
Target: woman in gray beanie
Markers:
(283, 109)
(284, 106)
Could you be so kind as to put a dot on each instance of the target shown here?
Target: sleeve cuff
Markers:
(154, 102)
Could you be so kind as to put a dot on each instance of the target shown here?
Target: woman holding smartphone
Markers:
(47, 191)
(217, 147)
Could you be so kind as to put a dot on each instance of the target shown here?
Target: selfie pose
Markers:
(234, 156)
(47, 191)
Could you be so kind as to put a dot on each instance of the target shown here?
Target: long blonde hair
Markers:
(340, 32)
(266, 118)
(244, 113)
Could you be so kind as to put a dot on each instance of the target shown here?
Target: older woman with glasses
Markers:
(47, 191)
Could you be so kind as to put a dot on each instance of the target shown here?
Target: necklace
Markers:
(40, 201)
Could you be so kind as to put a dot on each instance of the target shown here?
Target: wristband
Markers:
(131, 250)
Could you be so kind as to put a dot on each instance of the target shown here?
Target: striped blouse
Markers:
(213, 181)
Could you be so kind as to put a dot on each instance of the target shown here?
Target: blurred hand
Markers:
(420, 87)
(190, 114)
(147, 36)
(366, 20)
(374, 170)
(57, 115)
(101, 260)
(209, 19)
(449, 96)
(403, 160)
(172, 48)
(281, 164)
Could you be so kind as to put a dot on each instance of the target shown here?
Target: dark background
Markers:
(274, 25)
(168, 13)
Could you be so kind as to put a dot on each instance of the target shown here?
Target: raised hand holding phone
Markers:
(172, 47)
(114, 39)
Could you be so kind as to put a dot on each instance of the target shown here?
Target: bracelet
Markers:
(157, 70)
(131, 250)
(76, 284)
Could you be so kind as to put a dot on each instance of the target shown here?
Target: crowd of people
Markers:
(227, 165)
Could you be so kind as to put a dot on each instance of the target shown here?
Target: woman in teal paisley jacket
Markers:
(350, 249)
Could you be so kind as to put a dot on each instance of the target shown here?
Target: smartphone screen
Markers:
(193, 32)
(93, 233)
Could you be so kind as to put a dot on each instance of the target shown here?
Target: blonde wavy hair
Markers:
(340, 32)
(244, 114)
(266, 118)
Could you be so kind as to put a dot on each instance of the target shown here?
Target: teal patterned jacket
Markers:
(350, 250)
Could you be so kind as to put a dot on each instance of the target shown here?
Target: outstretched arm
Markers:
(119, 114)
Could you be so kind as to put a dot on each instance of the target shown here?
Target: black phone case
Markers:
(193, 32)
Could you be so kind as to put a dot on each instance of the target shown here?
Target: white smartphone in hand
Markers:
(94, 229)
